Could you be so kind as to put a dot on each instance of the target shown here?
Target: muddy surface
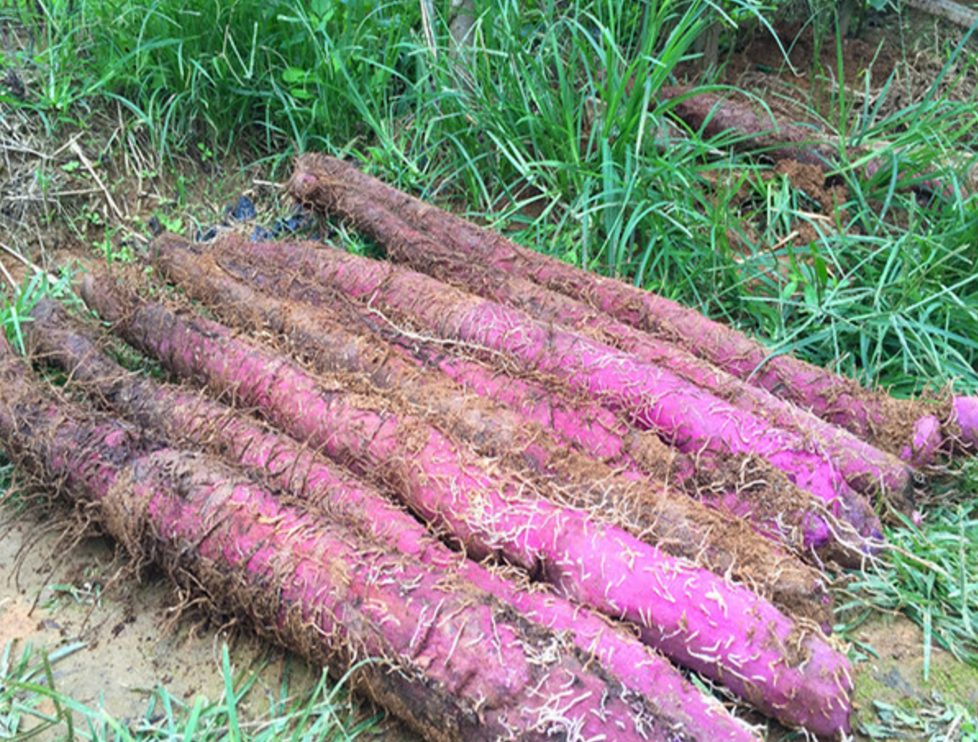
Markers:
(890, 65)
(53, 598)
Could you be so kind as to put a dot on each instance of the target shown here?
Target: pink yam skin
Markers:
(926, 438)
(834, 398)
(320, 331)
(966, 417)
(339, 336)
(590, 427)
(294, 468)
(758, 653)
(690, 418)
(319, 589)
(600, 433)
(865, 468)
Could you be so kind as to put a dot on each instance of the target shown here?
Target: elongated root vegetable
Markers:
(652, 397)
(680, 710)
(723, 631)
(443, 655)
(908, 429)
(674, 523)
(865, 468)
(713, 115)
(746, 487)
(640, 497)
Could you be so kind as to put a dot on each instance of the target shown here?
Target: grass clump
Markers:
(935, 722)
(14, 310)
(547, 124)
(927, 573)
(31, 707)
(198, 76)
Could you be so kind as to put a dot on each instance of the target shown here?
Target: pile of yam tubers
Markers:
(516, 497)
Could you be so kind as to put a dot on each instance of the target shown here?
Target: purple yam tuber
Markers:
(648, 508)
(879, 419)
(713, 115)
(775, 663)
(653, 398)
(446, 657)
(865, 468)
(53, 336)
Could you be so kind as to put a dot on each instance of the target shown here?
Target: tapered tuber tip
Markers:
(45, 309)
(87, 288)
(966, 416)
(302, 184)
(925, 442)
(311, 172)
(98, 296)
(167, 242)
